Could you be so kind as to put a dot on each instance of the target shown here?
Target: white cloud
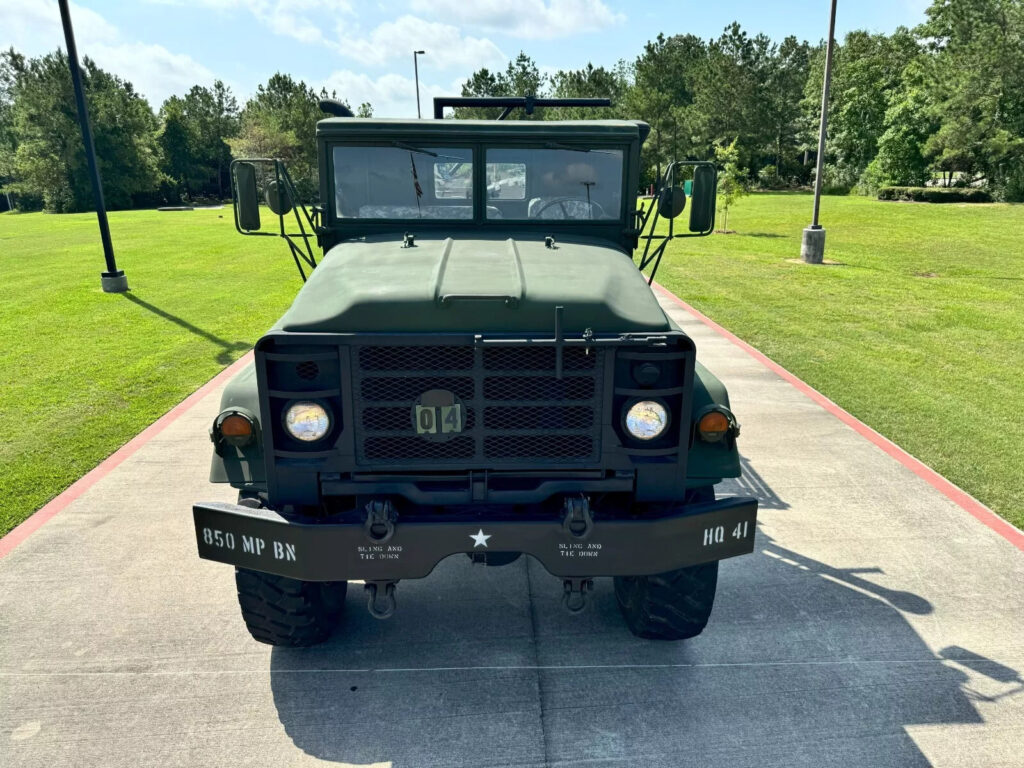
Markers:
(154, 71)
(534, 19)
(445, 45)
(298, 19)
(391, 95)
(34, 28)
(35, 21)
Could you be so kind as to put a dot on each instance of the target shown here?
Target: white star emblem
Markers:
(480, 539)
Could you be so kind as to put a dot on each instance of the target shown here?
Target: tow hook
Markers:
(577, 521)
(380, 599)
(380, 521)
(574, 595)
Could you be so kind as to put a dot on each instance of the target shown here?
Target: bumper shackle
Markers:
(574, 594)
(380, 599)
(577, 521)
(381, 517)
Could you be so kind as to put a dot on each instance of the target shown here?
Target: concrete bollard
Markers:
(114, 282)
(812, 249)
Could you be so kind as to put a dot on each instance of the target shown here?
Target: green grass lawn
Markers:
(81, 371)
(919, 333)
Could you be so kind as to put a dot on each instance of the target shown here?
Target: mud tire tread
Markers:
(288, 612)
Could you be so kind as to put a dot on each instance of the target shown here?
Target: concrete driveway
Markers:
(878, 623)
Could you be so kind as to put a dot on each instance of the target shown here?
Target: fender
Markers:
(709, 463)
(242, 467)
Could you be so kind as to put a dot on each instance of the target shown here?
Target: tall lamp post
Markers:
(113, 280)
(416, 69)
(812, 248)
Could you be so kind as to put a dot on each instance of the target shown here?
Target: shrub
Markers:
(1011, 188)
(838, 179)
(732, 179)
(935, 194)
(871, 180)
(768, 177)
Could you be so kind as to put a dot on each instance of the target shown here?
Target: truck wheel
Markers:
(282, 611)
(668, 606)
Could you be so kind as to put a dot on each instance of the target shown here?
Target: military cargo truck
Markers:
(475, 366)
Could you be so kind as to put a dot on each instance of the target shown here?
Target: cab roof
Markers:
(488, 130)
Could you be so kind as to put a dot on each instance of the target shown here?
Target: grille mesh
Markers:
(396, 388)
(536, 359)
(414, 448)
(416, 358)
(549, 418)
(537, 446)
(538, 388)
(307, 371)
(515, 410)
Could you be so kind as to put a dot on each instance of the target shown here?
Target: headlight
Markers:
(307, 421)
(646, 419)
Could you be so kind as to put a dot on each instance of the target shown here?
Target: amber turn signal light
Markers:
(236, 429)
(713, 426)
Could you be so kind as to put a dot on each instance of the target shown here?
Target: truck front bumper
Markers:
(263, 540)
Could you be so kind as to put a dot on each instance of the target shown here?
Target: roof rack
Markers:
(528, 103)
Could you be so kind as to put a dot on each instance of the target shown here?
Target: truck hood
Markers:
(471, 283)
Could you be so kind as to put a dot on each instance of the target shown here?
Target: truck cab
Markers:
(474, 366)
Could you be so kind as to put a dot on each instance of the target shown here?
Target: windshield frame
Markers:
(354, 225)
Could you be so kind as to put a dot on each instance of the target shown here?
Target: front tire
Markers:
(668, 606)
(288, 612)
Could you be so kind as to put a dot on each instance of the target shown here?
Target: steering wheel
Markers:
(561, 201)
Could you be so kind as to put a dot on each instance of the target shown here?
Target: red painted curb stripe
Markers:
(955, 494)
(84, 483)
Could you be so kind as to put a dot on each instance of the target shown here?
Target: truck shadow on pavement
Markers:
(803, 664)
(750, 483)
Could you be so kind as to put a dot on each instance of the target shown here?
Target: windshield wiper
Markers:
(556, 145)
(418, 151)
(411, 148)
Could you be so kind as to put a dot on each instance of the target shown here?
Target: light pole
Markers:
(812, 248)
(113, 280)
(416, 69)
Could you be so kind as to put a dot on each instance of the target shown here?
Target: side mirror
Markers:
(278, 199)
(702, 198)
(247, 199)
(671, 202)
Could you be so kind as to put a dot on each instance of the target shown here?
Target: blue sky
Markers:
(364, 49)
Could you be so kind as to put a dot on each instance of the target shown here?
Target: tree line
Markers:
(180, 153)
(942, 103)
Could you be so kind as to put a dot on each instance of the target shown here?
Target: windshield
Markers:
(403, 181)
(554, 183)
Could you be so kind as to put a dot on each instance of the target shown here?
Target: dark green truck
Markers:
(475, 366)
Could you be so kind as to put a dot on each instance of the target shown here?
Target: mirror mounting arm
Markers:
(282, 199)
(669, 202)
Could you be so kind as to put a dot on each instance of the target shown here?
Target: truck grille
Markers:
(515, 409)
